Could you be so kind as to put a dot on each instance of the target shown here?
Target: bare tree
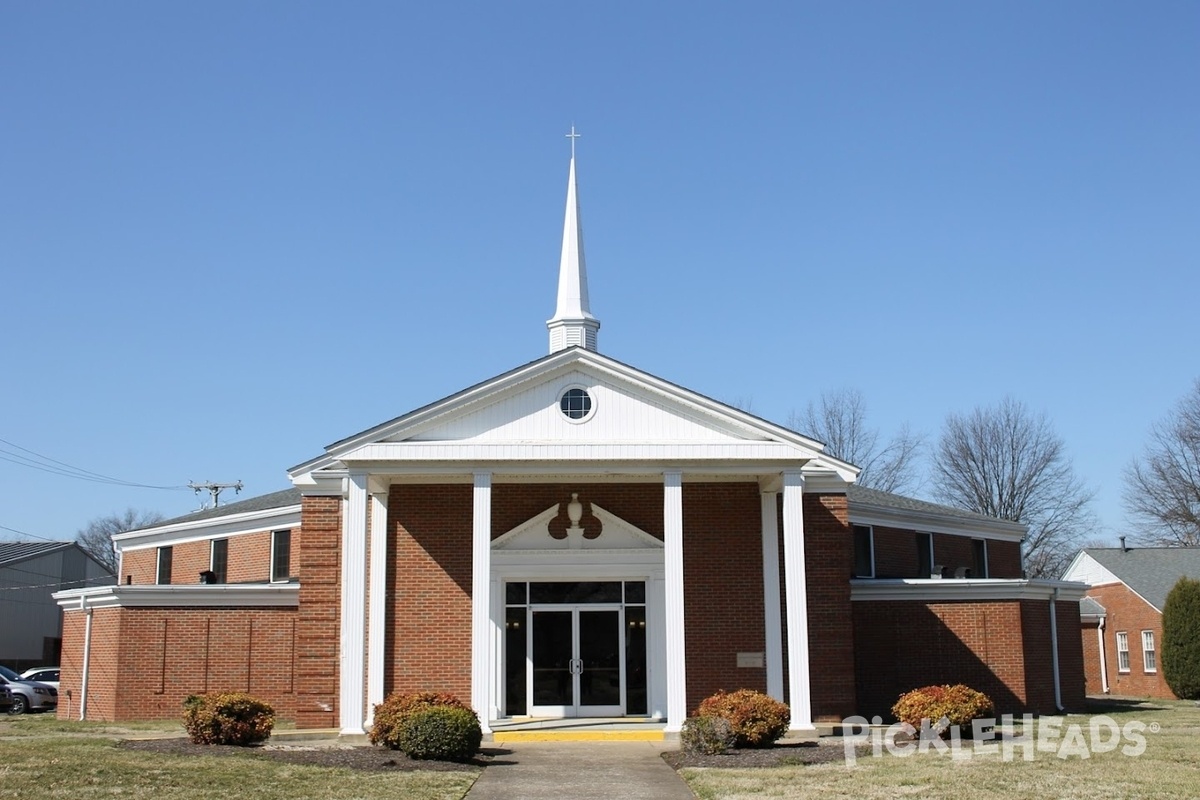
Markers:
(1163, 489)
(96, 537)
(1008, 463)
(840, 421)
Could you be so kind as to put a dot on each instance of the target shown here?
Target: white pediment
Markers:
(622, 412)
(615, 534)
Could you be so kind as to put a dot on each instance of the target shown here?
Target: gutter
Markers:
(87, 652)
(1103, 657)
(1054, 649)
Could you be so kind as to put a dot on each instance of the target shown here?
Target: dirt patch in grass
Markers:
(787, 755)
(370, 759)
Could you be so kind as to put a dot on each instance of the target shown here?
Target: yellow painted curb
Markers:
(577, 736)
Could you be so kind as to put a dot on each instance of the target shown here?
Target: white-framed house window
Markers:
(1149, 656)
(864, 551)
(1122, 651)
(218, 559)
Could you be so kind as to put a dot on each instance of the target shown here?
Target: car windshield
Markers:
(8, 673)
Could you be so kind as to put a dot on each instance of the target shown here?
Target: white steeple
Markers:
(573, 323)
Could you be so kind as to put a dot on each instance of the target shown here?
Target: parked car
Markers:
(6, 701)
(46, 675)
(28, 695)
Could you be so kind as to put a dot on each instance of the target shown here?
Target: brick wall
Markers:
(896, 554)
(318, 619)
(249, 560)
(1093, 680)
(145, 661)
(429, 571)
(1129, 613)
(829, 561)
(1001, 648)
(723, 585)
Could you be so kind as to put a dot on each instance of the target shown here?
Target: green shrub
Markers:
(707, 734)
(391, 714)
(756, 719)
(227, 718)
(958, 703)
(445, 733)
(1181, 639)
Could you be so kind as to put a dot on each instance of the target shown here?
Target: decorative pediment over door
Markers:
(575, 526)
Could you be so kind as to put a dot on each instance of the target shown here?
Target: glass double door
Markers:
(577, 654)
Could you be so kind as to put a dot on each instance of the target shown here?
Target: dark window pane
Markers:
(514, 594)
(164, 565)
(514, 670)
(635, 591)
(575, 403)
(863, 561)
(979, 547)
(635, 660)
(553, 682)
(281, 555)
(220, 559)
(576, 592)
(924, 554)
(599, 658)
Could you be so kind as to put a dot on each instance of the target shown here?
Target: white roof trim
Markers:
(249, 595)
(931, 522)
(476, 452)
(955, 590)
(285, 517)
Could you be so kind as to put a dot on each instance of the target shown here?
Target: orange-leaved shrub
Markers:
(958, 703)
(227, 718)
(757, 720)
(394, 712)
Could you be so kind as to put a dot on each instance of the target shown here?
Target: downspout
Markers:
(1054, 649)
(87, 652)
(1103, 657)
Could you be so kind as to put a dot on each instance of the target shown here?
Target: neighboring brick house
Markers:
(30, 620)
(1121, 617)
(575, 537)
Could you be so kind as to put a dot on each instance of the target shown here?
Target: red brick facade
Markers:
(896, 554)
(145, 661)
(318, 618)
(1001, 648)
(249, 560)
(1129, 614)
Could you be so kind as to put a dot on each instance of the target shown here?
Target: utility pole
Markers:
(215, 489)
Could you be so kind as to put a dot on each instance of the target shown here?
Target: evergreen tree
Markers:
(1181, 639)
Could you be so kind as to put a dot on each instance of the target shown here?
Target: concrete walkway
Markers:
(581, 771)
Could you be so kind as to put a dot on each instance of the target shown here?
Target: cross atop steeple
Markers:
(573, 324)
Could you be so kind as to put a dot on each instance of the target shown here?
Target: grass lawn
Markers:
(1168, 768)
(42, 758)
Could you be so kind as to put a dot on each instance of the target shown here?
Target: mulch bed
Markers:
(783, 755)
(376, 759)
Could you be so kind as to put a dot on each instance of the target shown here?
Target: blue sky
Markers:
(233, 233)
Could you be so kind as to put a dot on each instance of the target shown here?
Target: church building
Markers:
(572, 538)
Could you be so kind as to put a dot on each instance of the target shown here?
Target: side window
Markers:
(924, 555)
(1122, 651)
(1149, 656)
(281, 555)
(864, 552)
(164, 565)
(219, 559)
(979, 569)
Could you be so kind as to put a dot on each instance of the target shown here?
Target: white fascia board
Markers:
(285, 517)
(249, 595)
(936, 590)
(483, 452)
(928, 522)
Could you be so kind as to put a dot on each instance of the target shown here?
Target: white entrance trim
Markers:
(797, 601)
(481, 579)
(377, 610)
(673, 578)
(772, 619)
(354, 601)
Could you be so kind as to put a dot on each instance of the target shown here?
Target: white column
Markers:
(354, 602)
(673, 585)
(481, 575)
(772, 619)
(797, 601)
(377, 610)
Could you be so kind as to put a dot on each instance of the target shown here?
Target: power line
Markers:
(35, 536)
(62, 468)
